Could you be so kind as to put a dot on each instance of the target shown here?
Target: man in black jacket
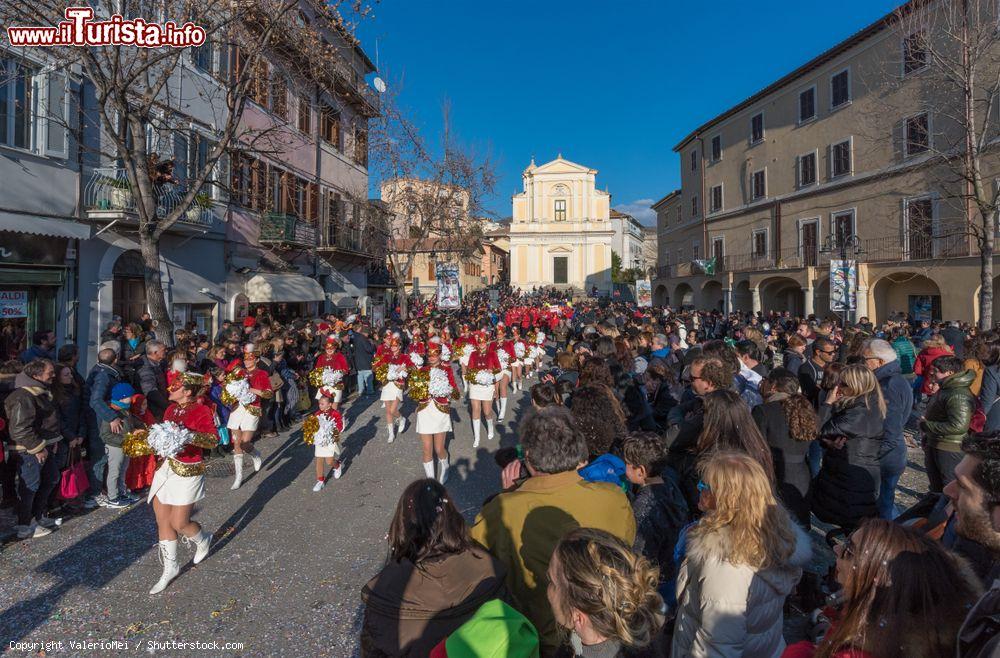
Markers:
(975, 494)
(362, 353)
(35, 434)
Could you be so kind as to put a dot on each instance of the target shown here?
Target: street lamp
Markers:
(844, 246)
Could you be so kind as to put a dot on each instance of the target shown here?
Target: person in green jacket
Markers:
(945, 423)
(906, 353)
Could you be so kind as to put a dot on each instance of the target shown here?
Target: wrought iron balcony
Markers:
(109, 196)
(289, 230)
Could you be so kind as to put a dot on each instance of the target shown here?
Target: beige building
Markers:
(428, 253)
(561, 232)
(841, 152)
(650, 248)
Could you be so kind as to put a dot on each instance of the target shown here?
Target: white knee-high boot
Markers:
(168, 555)
(442, 470)
(476, 431)
(490, 429)
(256, 459)
(429, 469)
(238, 465)
(503, 408)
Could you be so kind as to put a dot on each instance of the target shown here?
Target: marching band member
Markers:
(464, 346)
(519, 357)
(432, 387)
(482, 375)
(322, 431)
(391, 371)
(188, 427)
(504, 350)
(245, 386)
(331, 368)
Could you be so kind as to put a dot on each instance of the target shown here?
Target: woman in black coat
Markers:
(846, 490)
(788, 422)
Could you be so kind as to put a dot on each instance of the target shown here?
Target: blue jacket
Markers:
(100, 381)
(989, 396)
(898, 405)
(37, 352)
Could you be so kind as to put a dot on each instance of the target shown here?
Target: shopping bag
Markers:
(223, 435)
(73, 482)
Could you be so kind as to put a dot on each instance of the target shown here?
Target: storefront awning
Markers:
(60, 228)
(266, 288)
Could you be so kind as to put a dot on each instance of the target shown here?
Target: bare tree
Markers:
(138, 88)
(433, 193)
(951, 54)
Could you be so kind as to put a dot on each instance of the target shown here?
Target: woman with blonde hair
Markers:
(845, 491)
(604, 594)
(742, 560)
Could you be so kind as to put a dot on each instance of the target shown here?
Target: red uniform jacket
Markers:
(197, 418)
(258, 379)
(338, 362)
(484, 361)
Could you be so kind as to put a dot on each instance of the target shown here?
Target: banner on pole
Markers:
(643, 292)
(448, 289)
(843, 285)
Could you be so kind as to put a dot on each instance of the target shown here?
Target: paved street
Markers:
(287, 567)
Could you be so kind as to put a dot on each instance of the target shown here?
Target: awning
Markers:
(60, 228)
(266, 288)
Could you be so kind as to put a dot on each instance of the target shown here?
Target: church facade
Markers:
(561, 233)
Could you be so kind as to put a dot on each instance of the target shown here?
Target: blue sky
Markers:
(613, 86)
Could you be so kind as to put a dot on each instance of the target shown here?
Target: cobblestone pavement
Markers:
(285, 573)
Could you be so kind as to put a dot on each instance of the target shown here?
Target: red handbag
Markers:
(74, 481)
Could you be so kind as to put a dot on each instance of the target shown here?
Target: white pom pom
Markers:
(325, 431)
(416, 359)
(485, 378)
(439, 386)
(168, 438)
(332, 377)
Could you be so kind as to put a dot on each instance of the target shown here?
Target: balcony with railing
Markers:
(108, 196)
(286, 230)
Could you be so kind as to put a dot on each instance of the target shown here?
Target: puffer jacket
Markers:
(728, 610)
(410, 608)
(847, 487)
(33, 419)
(949, 412)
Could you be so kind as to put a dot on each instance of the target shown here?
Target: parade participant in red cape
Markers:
(188, 427)
(330, 371)
(391, 372)
(482, 373)
(322, 431)
(432, 386)
(504, 351)
(518, 357)
(245, 385)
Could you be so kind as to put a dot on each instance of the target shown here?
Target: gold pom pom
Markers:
(135, 445)
(316, 377)
(309, 428)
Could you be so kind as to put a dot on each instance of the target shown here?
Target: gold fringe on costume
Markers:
(228, 399)
(205, 440)
(187, 470)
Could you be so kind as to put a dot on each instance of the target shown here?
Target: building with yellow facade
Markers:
(561, 234)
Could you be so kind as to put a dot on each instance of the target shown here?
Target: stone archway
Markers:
(742, 297)
(907, 292)
(782, 294)
(660, 296)
(821, 298)
(712, 296)
(683, 296)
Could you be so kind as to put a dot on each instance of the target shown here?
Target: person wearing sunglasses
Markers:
(902, 595)
(742, 559)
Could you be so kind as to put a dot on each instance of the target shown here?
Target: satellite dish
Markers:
(379, 85)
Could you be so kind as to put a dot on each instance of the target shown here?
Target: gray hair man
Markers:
(883, 361)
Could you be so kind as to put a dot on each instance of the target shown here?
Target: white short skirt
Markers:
(481, 391)
(337, 397)
(505, 373)
(391, 392)
(242, 420)
(431, 420)
(331, 450)
(172, 489)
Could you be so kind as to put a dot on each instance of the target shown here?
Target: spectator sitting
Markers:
(659, 507)
(946, 420)
(904, 596)
(522, 525)
(742, 560)
(434, 579)
(603, 593)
